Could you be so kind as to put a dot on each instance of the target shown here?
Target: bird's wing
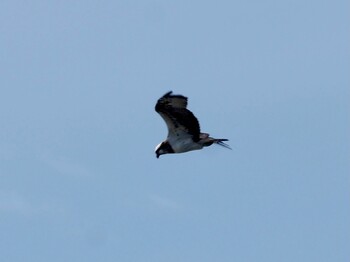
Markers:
(179, 120)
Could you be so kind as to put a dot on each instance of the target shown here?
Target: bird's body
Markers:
(183, 127)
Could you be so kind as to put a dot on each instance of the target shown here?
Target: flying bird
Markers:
(183, 127)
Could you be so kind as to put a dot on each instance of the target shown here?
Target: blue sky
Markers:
(79, 180)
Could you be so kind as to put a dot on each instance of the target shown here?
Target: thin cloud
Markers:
(164, 202)
(65, 166)
(13, 202)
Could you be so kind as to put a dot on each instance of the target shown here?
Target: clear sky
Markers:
(79, 180)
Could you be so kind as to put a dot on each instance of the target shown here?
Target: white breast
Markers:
(183, 144)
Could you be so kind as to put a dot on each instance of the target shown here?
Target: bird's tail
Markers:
(220, 142)
(207, 140)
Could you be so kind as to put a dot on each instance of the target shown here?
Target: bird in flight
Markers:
(183, 127)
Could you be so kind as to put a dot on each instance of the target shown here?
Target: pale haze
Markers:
(79, 179)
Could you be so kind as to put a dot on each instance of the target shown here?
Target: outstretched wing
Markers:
(179, 120)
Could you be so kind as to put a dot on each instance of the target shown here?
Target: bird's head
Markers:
(163, 148)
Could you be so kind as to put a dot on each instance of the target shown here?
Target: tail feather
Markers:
(208, 141)
(220, 142)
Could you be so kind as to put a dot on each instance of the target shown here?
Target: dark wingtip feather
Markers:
(168, 94)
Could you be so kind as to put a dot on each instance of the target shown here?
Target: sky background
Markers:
(79, 180)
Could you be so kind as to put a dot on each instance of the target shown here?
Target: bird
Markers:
(183, 127)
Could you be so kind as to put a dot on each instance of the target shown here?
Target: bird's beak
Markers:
(157, 155)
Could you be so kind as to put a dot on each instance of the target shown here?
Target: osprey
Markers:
(183, 127)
